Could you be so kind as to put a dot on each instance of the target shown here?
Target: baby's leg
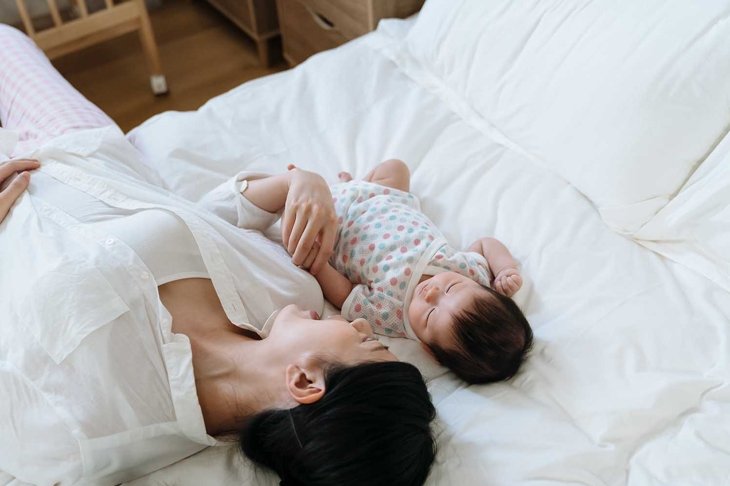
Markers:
(391, 173)
(35, 100)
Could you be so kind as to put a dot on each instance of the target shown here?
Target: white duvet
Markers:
(628, 382)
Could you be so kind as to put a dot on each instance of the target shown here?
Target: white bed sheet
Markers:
(628, 380)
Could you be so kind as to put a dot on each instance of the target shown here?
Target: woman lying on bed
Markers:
(136, 325)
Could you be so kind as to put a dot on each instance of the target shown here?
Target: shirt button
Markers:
(144, 275)
(110, 241)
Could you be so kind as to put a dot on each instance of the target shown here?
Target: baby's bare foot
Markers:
(344, 176)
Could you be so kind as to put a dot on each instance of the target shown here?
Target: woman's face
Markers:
(345, 342)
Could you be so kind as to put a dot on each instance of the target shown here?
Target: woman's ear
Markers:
(305, 385)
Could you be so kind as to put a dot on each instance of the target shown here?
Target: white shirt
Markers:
(96, 388)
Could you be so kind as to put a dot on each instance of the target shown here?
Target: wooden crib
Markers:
(89, 28)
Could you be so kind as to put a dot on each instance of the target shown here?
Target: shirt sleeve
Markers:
(227, 202)
(383, 312)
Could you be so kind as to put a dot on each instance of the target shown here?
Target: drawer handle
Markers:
(320, 20)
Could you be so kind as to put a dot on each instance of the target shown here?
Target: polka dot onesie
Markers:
(384, 245)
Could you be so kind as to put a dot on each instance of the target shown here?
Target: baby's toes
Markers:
(344, 176)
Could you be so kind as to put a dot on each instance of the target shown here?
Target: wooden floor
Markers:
(203, 55)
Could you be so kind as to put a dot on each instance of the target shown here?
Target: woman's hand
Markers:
(507, 282)
(309, 222)
(14, 178)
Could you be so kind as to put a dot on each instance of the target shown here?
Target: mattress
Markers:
(628, 381)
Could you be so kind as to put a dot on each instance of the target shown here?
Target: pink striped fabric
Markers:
(35, 100)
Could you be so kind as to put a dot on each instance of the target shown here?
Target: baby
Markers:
(392, 266)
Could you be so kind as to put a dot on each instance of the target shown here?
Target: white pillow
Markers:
(622, 98)
(694, 228)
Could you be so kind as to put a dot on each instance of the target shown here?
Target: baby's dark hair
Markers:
(492, 337)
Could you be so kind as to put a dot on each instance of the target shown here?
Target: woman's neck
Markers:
(235, 378)
(236, 375)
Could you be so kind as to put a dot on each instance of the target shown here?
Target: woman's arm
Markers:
(506, 277)
(309, 223)
(335, 286)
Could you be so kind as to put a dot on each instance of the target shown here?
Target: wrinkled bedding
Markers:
(628, 382)
(624, 242)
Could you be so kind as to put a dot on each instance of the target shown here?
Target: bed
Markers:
(592, 138)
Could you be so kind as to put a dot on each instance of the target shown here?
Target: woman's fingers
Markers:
(305, 242)
(311, 257)
(327, 243)
(309, 217)
(297, 228)
(12, 192)
(14, 166)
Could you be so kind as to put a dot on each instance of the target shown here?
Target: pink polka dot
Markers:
(414, 223)
(359, 199)
(358, 307)
(430, 237)
(386, 191)
(380, 289)
(386, 236)
(403, 249)
(389, 257)
(350, 223)
(401, 227)
(407, 271)
(471, 271)
(334, 199)
(365, 228)
(393, 281)
(399, 313)
(372, 194)
(375, 269)
(378, 323)
(345, 258)
(371, 246)
(439, 256)
(416, 241)
(362, 262)
(353, 240)
(378, 306)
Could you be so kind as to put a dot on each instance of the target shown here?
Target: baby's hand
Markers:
(507, 281)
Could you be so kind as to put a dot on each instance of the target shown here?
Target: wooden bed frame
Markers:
(113, 20)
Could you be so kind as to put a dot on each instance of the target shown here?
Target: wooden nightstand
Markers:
(311, 26)
(257, 18)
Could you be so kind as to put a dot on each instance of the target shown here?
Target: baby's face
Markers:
(435, 304)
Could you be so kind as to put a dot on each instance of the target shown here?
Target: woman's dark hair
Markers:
(492, 338)
(371, 427)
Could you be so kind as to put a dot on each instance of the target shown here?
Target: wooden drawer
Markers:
(305, 32)
(354, 18)
(350, 17)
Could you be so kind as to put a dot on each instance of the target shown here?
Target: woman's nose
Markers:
(362, 326)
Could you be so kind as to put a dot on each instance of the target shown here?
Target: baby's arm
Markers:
(335, 286)
(507, 279)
